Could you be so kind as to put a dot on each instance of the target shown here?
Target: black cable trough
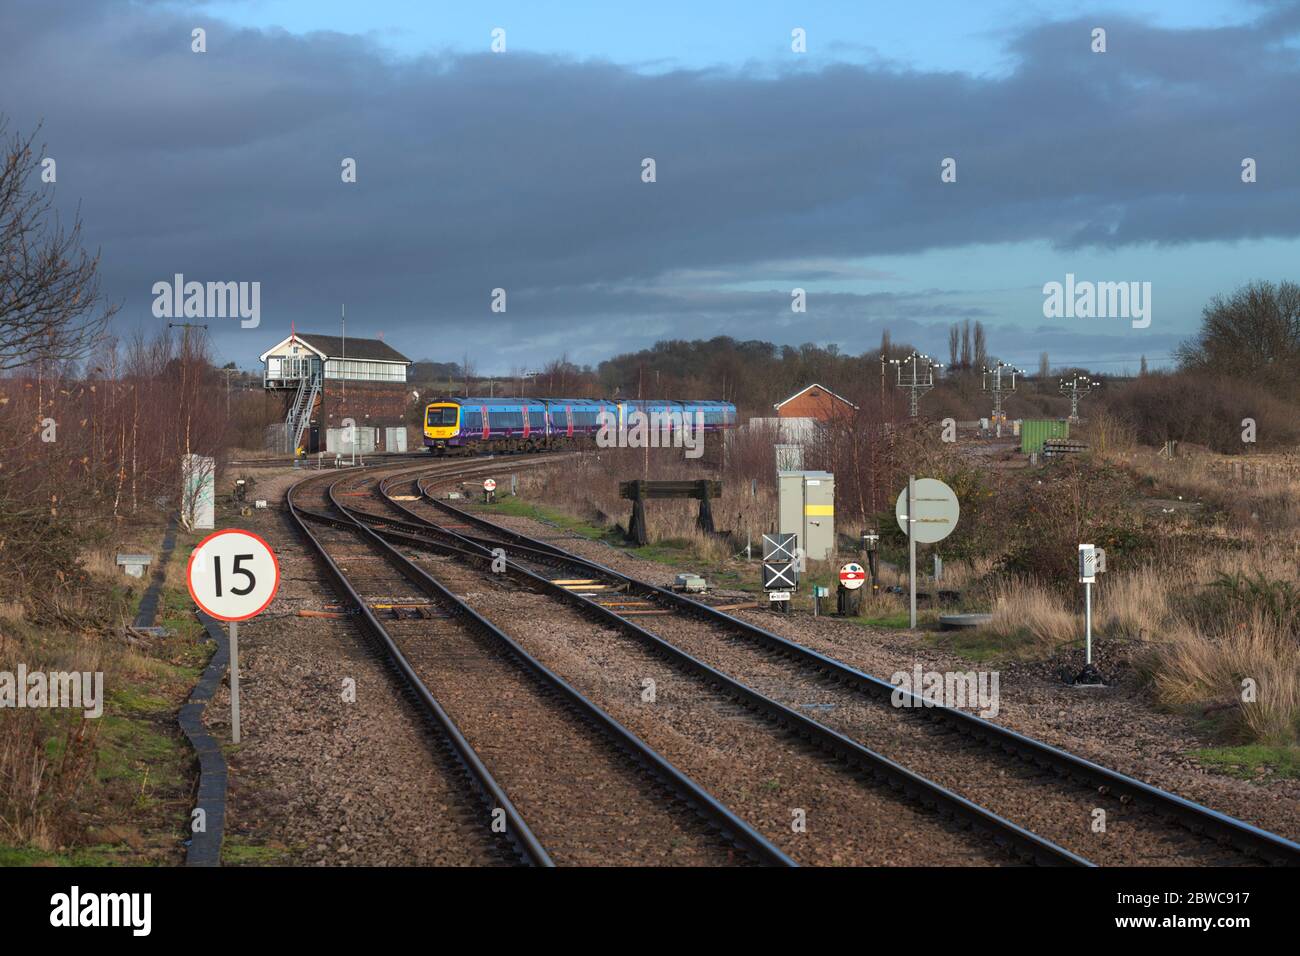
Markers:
(1019, 841)
(1267, 846)
(734, 829)
(524, 841)
(205, 845)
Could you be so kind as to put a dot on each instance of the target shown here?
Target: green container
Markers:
(1035, 431)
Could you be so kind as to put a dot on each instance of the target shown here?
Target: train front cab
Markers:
(441, 425)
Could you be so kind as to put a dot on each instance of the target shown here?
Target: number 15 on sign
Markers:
(232, 576)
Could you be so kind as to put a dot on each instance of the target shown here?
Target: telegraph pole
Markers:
(185, 343)
(228, 372)
(1000, 380)
(1076, 388)
(916, 374)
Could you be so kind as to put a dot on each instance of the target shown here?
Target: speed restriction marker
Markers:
(852, 575)
(232, 576)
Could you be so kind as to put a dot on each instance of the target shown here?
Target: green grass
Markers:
(1247, 761)
(519, 508)
(236, 852)
(135, 700)
(97, 855)
(982, 644)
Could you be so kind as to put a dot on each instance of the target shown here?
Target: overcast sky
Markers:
(522, 170)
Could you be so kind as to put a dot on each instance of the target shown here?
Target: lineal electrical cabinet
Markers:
(806, 507)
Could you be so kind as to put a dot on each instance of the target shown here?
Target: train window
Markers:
(441, 417)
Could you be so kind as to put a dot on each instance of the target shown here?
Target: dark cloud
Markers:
(523, 172)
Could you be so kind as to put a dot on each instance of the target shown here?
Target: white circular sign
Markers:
(233, 575)
(936, 511)
(489, 484)
(852, 575)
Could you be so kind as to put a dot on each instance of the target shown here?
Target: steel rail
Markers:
(526, 844)
(1195, 817)
(1020, 841)
(736, 830)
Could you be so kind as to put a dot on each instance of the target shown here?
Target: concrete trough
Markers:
(134, 565)
(959, 622)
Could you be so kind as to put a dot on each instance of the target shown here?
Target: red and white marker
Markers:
(489, 484)
(852, 575)
(232, 576)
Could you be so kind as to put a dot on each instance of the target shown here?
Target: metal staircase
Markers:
(299, 417)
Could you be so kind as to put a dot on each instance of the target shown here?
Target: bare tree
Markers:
(1044, 366)
(965, 344)
(981, 346)
(50, 304)
(954, 339)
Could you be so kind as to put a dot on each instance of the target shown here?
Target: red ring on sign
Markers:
(189, 568)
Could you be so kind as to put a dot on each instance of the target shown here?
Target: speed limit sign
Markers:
(489, 484)
(232, 576)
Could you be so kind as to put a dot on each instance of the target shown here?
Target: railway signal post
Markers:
(233, 575)
(489, 490)
(1092, 561)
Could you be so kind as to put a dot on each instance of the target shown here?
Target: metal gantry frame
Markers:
(1076, 388)
(998, 381)
(916, 374)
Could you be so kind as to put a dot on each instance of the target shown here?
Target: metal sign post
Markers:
(232, 576)
(234, 681)
(927, 511)
(911, 550)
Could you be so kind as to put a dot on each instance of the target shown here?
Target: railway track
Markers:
(448, 538)
(995, 768)
(586, 791)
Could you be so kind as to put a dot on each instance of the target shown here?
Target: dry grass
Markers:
(1246, 655)
(49, 756)
(1023, 609)
(1134, 604)
(1196, 655)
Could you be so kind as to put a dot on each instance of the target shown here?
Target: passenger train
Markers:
(466, 425)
